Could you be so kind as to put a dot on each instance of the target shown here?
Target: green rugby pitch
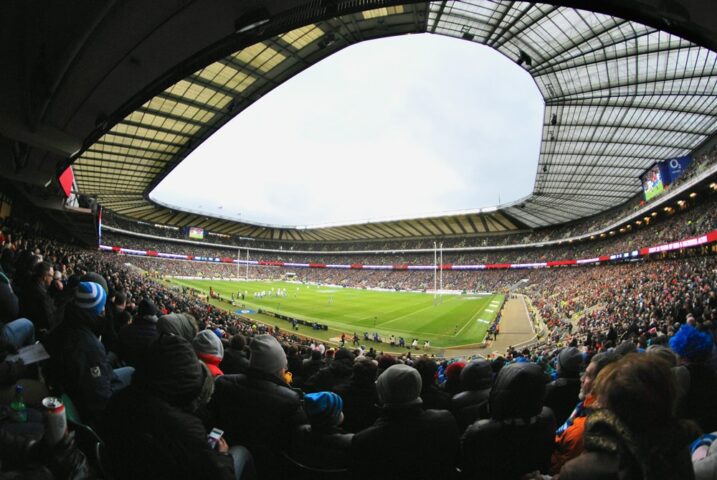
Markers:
(459, 320)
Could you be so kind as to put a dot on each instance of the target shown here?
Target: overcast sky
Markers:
(391, 128)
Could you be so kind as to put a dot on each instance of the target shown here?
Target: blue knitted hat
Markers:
(323, 407)
(90, 297)
(691, 344)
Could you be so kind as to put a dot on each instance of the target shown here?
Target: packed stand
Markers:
(179, 389)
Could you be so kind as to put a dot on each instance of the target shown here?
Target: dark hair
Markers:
(41, 269)
(120, 298)
(602, 360)
(364, 370)
(238, 342)
(427, 367)
(639, 389)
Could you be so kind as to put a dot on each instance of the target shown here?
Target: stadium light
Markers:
(251, 20)
(693, 194)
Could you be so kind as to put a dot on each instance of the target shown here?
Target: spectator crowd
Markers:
(622, 385)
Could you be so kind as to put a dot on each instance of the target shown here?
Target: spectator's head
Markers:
(208, 344)
(597, 363)
(44, 273)
(120, 301)
(324, 409)
(692, 345)
(182, 324)
(626, 348)
(385, 360)
(170, 370)
(569, 362)
(237, 342)
(364, 371)
(344, 356)
(267, 356)
(517, 392)
(639, 389)
(663, 352)
(398, 387)
(96, 278)
(90, 297)
(453, 374)
(427, 368)
(477, 375)
(147, 311)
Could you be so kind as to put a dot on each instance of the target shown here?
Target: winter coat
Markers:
(410, 443)
(325, 448)
(36, 305)
(328, 378)
(79, 364)
(9, 303)
(561, 396)
(434, 398)
(699, 402)
(613, 452)
(135, 338)
(569, 436)
(234, 361)
(260, 412)
(149, 427)
(518, 438)
(360, 405)
(472, 403)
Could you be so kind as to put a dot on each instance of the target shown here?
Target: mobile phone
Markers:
(214, 436)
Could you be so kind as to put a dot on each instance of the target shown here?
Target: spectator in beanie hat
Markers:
(472, 402)
(322, 443)
(561, 395)
(694, 349)
(210, 350)
(138, 335)
(406, 441)
(259, 409)
(78, 361)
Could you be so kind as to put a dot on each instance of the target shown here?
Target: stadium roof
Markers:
(619, 96)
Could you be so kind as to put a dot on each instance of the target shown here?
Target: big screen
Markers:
(652, 183)
(196, 233)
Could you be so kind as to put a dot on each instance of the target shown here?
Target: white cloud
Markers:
(398, 127)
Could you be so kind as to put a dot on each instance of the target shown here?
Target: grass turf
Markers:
(456, 321)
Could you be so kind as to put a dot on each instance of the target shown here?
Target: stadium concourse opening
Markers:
(398, 127)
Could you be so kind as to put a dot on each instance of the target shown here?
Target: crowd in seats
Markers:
(622, 386)
(573, 229)
(664, 228)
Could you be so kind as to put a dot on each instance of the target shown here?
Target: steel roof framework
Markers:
(619, 96)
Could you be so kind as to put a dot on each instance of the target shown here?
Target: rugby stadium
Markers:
(568, 332)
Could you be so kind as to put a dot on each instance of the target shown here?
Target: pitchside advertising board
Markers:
(663, 174)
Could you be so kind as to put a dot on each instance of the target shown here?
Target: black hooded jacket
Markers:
(472, 403)
(518, 438)
(150, 428)
(78, 363)
(337, 373)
